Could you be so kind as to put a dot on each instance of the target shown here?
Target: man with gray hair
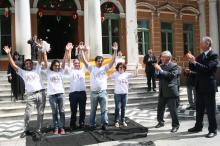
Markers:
(167, 73)
(205, 66)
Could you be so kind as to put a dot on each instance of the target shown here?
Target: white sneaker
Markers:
(117, 124)
(124, 124)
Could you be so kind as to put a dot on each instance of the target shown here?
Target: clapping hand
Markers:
(115, 46)
(69, 46)
(7, 49)
(191, 58)
(157, 67)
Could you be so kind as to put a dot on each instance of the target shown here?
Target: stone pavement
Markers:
(10, 131)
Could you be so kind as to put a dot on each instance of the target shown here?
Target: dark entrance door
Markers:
(57, 30)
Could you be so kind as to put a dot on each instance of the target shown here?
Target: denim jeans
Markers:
(77, 98)
(37, 100)
(191, 95)
(120, 104)
(57, 103)
(100, 97)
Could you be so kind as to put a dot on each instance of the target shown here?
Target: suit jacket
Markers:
(205, 68)
(168, 80)
(149, 63)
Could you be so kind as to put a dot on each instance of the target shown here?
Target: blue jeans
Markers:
(101, 98)
(57, 103)
(120, 104)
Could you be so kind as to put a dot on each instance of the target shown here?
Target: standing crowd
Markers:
(201, 86)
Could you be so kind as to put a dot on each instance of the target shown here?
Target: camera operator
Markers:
(34, 47)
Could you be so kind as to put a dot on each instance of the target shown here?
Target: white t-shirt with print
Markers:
(77, 79)
(32, 79)
(98, 77)
(121, 82)
(55, 82)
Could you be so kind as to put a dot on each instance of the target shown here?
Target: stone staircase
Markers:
(138, 98)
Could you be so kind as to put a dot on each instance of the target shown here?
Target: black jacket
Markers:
(149, 63)
(205, 68)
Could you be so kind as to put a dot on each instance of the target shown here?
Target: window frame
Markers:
(188, 32)
(167, 31)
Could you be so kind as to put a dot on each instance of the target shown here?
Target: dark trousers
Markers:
(171, 103)
(77, 98)
(151, 76)
(206, 101)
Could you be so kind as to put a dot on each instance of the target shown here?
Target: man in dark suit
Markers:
(149, 60)
(205, 66)
(167, 73)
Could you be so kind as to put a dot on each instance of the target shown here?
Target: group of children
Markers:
(36, 96)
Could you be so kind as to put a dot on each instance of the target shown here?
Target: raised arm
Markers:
(115, 48)
(11, 61)
(82, 49)
(45, 60)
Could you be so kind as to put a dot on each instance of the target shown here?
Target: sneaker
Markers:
(62, 131)
(117, 125)
(124, 124)
(56, 131)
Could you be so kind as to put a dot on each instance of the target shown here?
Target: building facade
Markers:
(137, 25)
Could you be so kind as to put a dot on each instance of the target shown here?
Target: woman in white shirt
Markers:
(121, 92)
(55, 91)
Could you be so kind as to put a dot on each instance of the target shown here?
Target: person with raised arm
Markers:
(98, 85)
(34, 91)
(55, 92)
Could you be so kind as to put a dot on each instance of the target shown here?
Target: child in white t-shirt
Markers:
(121, 92)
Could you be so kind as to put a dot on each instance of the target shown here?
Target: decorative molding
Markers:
(167, 8)
(117, 4)
(122, 15)
(148, 6)
(77, 2)
(34, 10)
(189, 10)
(80, 12)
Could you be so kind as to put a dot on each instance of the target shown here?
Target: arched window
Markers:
(5, 25)
(64, 5)
(110, 26)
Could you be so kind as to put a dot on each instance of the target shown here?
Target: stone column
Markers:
(131, 34)
(213, 25)
(202, 18)
(23, 27)
(94, 27)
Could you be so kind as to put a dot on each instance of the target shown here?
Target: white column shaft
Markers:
(23, 27)
(213, 25)
(202, 22)
(131, 35)
(95, 28)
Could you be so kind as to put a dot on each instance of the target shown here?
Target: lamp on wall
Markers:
(6, 12)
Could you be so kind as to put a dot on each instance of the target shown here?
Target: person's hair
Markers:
(98, 58)
(207, 40)
(121, 64)
(15, 53)
(27, 60)
(54, 62)
(167, 53)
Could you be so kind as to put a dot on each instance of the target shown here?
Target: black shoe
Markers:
(211, 135)
(104, 126)
(174, 129)
(73, 127)
(195, 130)
(81, 126)
(92, 128)
(154, 90)
(148, 90)
(190, 108)
(159, 125)
(23, 134)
